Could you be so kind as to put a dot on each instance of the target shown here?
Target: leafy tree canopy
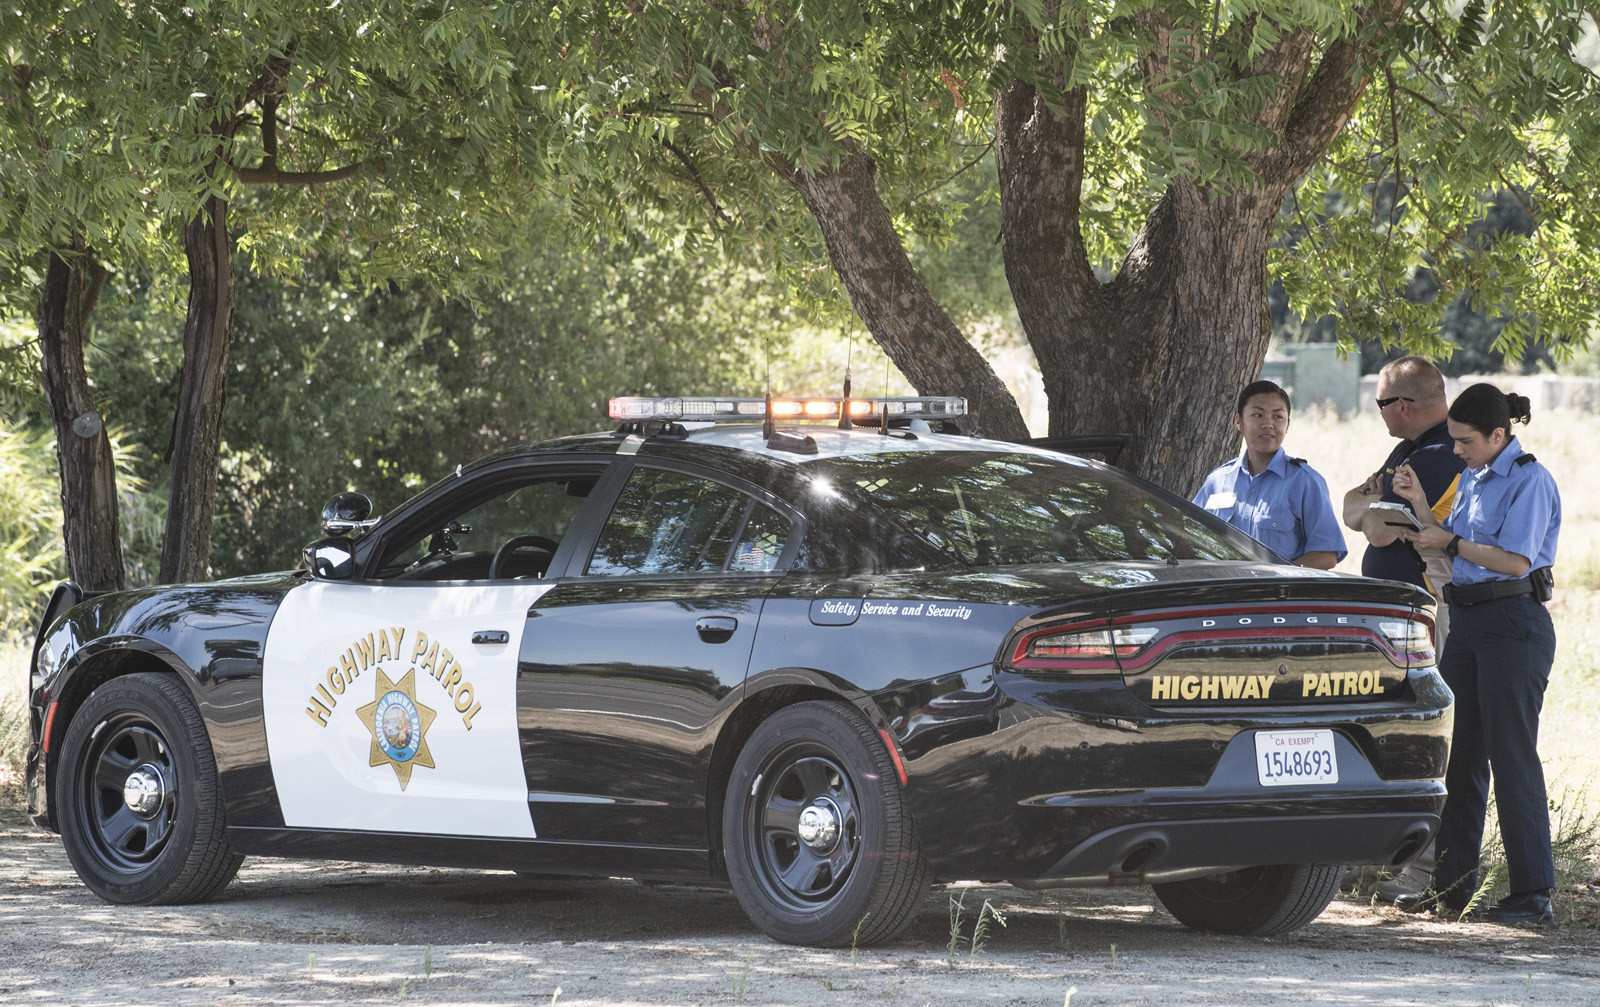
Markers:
(696, 112)
(118, 120)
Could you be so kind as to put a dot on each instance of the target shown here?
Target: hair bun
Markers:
(1519, 407)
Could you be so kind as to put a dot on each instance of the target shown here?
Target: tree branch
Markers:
(694, 174)
(1323, 107)
(958, 173)
(273, 176)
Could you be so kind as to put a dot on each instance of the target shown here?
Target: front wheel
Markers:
(141, 815)
(1253, 901)
(819, 844)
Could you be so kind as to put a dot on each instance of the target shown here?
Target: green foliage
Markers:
(675, 116)
(30, 526)
(118, 120)
(31, 548)
(1492, 100)
(387, 391)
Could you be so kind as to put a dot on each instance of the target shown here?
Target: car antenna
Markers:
(883, 409)
(767, 426)
(844, 407)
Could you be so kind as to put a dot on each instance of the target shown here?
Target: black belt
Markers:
(1489, 590)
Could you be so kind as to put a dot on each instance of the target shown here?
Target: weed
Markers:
(741, 980)
(957, 903)
(1113, 957)
(1480, 897)
(554, 996)
(1068, 1001)
(311, 966)
(980, 928)
(827, 984)
(404, 985)
(855, 937)
(427, 962)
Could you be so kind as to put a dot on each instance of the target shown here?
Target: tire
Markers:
(172, 847)
(1253, 901)
(860, 879)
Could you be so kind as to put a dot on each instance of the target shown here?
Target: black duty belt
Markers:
(1489, 590)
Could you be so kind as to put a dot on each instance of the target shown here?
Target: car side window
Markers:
(511, 535)
(671, 523)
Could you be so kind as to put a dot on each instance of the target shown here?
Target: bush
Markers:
(31, 556)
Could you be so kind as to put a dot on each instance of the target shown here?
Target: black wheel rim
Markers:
(803, 860)
(125, 838)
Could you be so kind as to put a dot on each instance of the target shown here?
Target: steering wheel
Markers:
(519, 542)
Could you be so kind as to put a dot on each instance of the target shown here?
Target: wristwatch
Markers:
(1452, 548)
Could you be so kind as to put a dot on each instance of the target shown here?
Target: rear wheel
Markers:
(1253, 901)
(142, 817)
(819, 844)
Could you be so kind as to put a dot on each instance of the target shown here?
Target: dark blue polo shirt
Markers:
(1433, 457)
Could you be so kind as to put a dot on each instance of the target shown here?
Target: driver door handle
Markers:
(717, 628)
(490, 636)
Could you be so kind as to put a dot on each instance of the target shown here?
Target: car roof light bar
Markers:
(666, 409)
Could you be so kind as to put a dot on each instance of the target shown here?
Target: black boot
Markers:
(1528, 909)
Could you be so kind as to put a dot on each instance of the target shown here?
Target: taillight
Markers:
(1409, 636)
(1077, 647)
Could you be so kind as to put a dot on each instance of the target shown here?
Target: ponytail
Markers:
(1486, 409)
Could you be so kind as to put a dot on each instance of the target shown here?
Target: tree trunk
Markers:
(1163, 350)
(1160, 352)
(894, 303)
(202, 391)
(88, 471)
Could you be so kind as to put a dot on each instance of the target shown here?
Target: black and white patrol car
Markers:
(827, 665)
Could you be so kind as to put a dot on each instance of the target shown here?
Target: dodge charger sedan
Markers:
(826, 664)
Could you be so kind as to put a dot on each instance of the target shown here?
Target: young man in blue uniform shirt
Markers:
(1277, 500)
(1501, 535)
(1412, 404)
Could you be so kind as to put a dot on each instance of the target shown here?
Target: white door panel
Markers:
(383, 715)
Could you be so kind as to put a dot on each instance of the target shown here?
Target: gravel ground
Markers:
(297, 932)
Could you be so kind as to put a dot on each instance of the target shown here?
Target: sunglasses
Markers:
(1391, 400)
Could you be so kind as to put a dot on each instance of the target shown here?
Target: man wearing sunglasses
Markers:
(1411, 400)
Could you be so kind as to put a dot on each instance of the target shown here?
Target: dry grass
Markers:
(13, 716)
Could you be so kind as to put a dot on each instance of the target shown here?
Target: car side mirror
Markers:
(347, 512)
(331, 559)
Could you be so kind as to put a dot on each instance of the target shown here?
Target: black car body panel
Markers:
(620, 700)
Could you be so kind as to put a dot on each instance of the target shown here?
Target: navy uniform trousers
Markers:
(1497, 661)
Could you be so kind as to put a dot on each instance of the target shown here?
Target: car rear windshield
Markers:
(979, 508)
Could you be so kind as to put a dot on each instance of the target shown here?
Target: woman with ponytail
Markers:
(1501, 535)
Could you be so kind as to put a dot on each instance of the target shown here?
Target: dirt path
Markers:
(293, 932)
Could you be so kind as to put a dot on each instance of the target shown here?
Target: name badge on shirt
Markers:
(1221, 500)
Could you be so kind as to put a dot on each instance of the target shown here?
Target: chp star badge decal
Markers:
(399, 726)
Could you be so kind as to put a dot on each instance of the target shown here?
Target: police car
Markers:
(828, 664)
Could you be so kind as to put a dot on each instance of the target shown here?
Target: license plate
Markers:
(1286, 758)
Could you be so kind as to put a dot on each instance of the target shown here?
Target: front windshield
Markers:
(978, 508)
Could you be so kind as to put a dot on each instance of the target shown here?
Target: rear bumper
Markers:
(1234, 821)
(1076, 782)
(1174, 851)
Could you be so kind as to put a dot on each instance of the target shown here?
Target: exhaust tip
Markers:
(1136, 858)
(1410, 846)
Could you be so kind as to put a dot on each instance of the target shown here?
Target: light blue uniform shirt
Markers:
(1515, 507)
(1285, 506)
